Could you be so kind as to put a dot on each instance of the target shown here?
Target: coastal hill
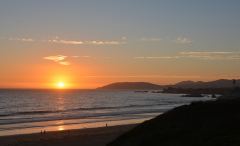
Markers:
(132, 86)
(211, 123)
(223, 83)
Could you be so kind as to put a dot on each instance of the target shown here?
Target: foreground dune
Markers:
(212, 123)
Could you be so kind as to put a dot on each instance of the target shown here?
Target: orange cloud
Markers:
(61, 59)
(22, 39)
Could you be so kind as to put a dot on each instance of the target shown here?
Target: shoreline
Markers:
(85, 137)
(63, 125)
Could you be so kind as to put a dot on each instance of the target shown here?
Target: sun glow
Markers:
(61, 128)
(60, 84)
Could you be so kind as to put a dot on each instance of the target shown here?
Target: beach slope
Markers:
(211, 123)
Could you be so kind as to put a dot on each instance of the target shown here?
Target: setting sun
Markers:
(60, 84)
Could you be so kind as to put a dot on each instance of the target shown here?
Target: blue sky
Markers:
(135, 34)
(109, 18)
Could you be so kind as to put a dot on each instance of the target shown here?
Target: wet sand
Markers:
(82, 137)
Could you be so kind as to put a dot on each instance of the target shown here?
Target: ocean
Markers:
(30, 111)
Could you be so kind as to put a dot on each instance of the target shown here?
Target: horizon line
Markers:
(20, 88)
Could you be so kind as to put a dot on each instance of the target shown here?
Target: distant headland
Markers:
(222, 83)
(132, 86)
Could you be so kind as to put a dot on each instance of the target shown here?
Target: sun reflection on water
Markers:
(60, 103)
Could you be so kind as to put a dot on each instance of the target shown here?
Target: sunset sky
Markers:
(90, 43)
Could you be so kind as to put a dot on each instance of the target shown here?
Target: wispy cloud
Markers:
(124, 38)
(75, 56)
(22, 39)
(86, 56)
(183, 40)
(58, 40)
(103, 42)
(178, 40)
(64, 60)
(153, 39)
(67, 42)
(212, 55)
(157, 57)
(60, 59)
(198, 55)
(88, 42)
(64, 63)
(206, 53)
(56, 58)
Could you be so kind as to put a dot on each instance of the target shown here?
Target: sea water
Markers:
(29, 111)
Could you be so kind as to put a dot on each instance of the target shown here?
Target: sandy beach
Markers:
(82, 137)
